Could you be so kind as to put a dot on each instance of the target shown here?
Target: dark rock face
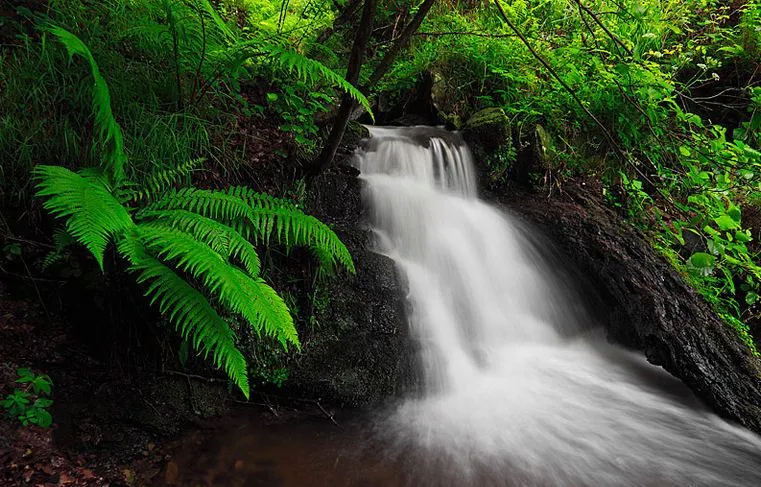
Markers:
(645, 304)
(361, 354)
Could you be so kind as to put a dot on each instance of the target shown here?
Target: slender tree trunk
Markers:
(345, 16)
(401, 42)
(346, 110)
(347, 103)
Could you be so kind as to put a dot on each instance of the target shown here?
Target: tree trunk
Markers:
(401, 42)
(347, 103)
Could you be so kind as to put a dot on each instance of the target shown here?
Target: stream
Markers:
(518, 387)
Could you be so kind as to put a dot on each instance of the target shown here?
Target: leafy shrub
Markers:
(29, 402)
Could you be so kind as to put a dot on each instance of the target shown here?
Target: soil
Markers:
(100, 434)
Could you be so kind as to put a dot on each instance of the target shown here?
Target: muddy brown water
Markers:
(256, 449)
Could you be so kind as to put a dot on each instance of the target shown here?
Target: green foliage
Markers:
(29, 402)
(184, 244)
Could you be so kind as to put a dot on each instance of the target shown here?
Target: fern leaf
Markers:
(313, 71)
(93, 216)
(189, 311)
(219, 237)
(158, 182)
(61, 240)
(109, 130)
(262, 218)
(248, 296)
(217, 205)
(292, 227)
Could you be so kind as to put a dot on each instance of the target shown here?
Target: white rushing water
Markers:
(517, 390)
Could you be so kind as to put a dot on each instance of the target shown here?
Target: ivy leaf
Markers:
(702, 262)
(751, 298)
(734, 213)
(743, 236)
(726, 222)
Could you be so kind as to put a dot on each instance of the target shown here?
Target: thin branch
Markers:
(607, 31)
(476, 34)
(404, 38)
(611, 140)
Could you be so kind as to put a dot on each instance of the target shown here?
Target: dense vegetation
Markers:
(141, 125)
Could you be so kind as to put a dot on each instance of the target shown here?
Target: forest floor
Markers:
(96, 450)
(43, 457)
(101, 435)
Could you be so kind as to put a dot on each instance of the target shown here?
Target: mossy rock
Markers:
(544, 147)
(487, 130)
(488, 134)
(488, 117)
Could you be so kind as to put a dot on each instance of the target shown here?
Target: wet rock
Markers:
(359, 353)
(488, 135)
(644, 303)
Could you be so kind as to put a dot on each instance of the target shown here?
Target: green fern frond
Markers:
(188, 310)
(211, 12)
(61, 240)
(278, 219)
(261, 218)
(313, 71)
(109, 131)
(221, 238)
(92, 215)
(158, 182)
(248, 296)
(213, 204)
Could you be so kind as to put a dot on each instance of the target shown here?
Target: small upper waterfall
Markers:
(518, 391)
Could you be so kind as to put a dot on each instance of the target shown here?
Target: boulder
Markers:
(488, 135)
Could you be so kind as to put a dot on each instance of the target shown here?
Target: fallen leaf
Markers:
(172, 473)
(64, 479)
(129, 476)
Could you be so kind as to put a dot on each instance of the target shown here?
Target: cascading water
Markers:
(516, 389)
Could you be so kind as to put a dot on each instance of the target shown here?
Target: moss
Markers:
(488, 117)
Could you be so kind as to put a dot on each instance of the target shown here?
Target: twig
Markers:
(604, 28)
(575, 97)
(29, 242)
(330, 416)
(211, 380)
(476, 34)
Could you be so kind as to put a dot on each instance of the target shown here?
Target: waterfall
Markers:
(515, 383)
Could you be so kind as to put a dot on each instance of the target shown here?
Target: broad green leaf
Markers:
(743, 236)
(726, 222)
(735, 213)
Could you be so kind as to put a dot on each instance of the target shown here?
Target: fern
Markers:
(221, 238)
(93, 216)
(162, 180)
(109, 131)
(169, 234)
(313, 71)
(188, 309)
(262, 218)
(205, 46)
(61, 241)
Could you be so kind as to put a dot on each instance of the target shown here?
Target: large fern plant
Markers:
(184, 244)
